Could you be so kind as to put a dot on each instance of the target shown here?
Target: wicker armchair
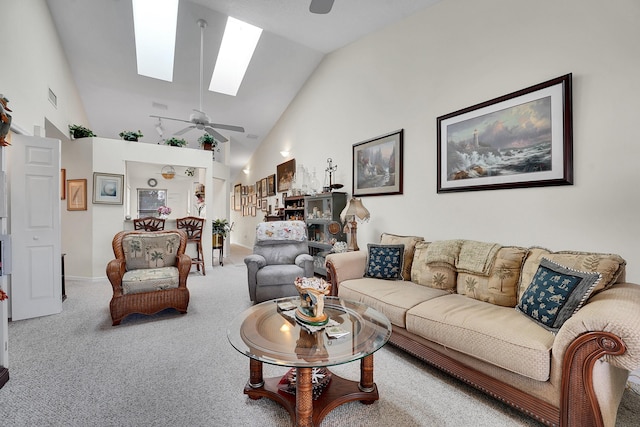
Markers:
(149, 273)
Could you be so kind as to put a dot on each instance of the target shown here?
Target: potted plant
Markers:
(220, 228)
(129, 135)
(176, 142)
(78, 131)
(208, 142)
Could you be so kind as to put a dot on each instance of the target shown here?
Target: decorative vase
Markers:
(312, 291)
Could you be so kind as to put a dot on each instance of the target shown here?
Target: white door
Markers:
(34, 168)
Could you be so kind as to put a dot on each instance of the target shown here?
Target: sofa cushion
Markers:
(433, 276)
(556, 293)
(495, 334)
(384, 261)
(500, 287)
(409, 243)
(149, 280)
(610, 266)
(150, 250)
(391, 298)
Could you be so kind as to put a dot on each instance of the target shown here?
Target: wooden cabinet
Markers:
(322, 215)
(294, 208)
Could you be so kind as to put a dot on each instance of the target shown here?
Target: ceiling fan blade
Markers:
(216, 135)
(171, 118)
(320, 6)
(227, 127)
(185, 130)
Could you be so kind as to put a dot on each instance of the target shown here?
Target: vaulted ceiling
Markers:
(98, 39)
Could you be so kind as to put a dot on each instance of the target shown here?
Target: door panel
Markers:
(36, 288)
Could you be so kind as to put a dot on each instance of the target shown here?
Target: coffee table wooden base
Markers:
(303, 409)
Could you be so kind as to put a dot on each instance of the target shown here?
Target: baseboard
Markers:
(4, 376)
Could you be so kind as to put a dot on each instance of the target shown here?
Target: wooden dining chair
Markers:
(149, 223)
(194, 227)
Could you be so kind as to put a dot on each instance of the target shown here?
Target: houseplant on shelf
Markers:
(79, 131)
(176, 142)
(129, 135)
(208, 142)
(219, 229)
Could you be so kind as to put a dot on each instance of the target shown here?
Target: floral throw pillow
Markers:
(556, 293)
(384, 261)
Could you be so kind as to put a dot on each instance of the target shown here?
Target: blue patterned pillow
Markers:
(384, 261)
(556, 293)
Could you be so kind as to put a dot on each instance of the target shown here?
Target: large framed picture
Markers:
(377, 165)
(523, 139)
(108, 188)
(77, 195)
(285, 173)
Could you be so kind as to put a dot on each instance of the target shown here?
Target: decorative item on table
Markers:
(164, 211)
(312, 291)
(353, 213)
(339, 247)
(320, 379)
(329, 172)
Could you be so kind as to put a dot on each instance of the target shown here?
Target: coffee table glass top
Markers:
(266, 334)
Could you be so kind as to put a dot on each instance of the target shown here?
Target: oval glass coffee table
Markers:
(267, 334)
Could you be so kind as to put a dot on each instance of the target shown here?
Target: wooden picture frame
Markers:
(259, 187)
(237, 197)
(523, 139)
(285, 172)
(63, 184)
(263, 188)
(271, 185)
(264, 205)
(77, 194)
(108, 188)
(377, 165)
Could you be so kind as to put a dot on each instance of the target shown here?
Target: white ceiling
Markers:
(97, 36)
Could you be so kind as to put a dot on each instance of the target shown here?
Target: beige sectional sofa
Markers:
(468, 308)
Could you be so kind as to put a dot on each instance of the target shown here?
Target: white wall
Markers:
(87, 235)
(459, 53)
(32, 62)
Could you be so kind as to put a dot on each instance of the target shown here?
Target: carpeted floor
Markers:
(75, 369)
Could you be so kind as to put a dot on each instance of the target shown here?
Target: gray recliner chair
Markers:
(280, 254)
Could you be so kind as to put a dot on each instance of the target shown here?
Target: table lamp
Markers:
(357, 212)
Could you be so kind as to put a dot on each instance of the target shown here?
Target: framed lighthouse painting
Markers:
(523, 139)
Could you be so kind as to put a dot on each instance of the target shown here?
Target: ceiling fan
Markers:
(199, 119)
(320, 6)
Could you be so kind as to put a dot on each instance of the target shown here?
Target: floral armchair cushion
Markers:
(295, 231)
(143, 251)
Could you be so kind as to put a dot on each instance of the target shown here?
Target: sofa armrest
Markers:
(183, 262)
(302, 261)
(254, 263)
(115, 270)
(345, 266)
(615, 311)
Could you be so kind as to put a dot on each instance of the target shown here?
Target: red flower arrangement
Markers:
(3, 295)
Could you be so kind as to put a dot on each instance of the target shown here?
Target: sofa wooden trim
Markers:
(147, 302)
(579, 405)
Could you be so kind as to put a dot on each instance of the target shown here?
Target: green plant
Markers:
(208, 139)
(221, 227)
(78, 131)
(176, 142)
(129, 135)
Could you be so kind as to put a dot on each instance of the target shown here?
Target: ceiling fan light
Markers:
(154, 25)
(238, 44)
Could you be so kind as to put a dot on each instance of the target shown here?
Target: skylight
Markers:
(238, 44)
(154, 24)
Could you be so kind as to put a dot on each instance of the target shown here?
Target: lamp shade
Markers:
(356, 209)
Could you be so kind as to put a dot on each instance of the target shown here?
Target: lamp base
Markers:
(353, 241)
